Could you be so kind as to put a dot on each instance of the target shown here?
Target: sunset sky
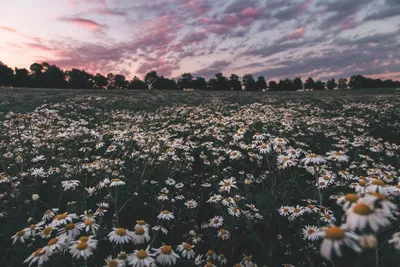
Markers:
(274, 38)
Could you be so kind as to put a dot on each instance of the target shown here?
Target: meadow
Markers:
(172, 178)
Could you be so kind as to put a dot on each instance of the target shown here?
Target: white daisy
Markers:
(120, 236)
(166, 215)
(186, 250)
(165, 255)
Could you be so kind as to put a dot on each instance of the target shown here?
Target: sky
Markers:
(273, 38)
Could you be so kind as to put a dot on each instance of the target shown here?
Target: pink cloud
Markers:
(349, 23)
(295, 35)
(251, 12)
(86, 23)
(7, 29)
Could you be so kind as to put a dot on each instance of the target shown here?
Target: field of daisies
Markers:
(185, 179)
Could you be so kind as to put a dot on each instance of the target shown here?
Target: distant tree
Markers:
(186, 81)
(358, 81)
(137, 84)
(221, 82)
(53, 76)
(200, 83)
(36, 74)
(151, 78)
(6, 75)
(297, 83)
(111, 81)
(319, 85)
(120, 82)
(272, 86)
(309, 84)
(261, 83)
(234, 83)
(21, 78)
(331, 84)
(166, 84)
(342, 83)
(79, 79)
(285, 85)
(212, 84)
(249, 82)
(100, 81)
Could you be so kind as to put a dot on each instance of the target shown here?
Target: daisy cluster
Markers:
(297, 183)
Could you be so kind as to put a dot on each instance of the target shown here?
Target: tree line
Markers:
(46, 75)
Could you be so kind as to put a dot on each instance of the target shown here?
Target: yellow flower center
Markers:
(210, 252)
(61, 216)
(234, 153)
(84, 239)
(116, 180)
(378, 182)
(166, 250)
(70, 226)
(351, 197)
(38, 252)
(52, 241)
(141, 254)
(165, 212)
(187, 246)
(296, 210)
(120, 231)
(122, 256)
(82, 245)
(327, 216)
(227, 184)
(337, 153)
(142, 222)
(32, 226)
(379, 196)
(310, 231)
(89, 222)
(208, 264)
(234, 210)
(362, 209)
(263, 146)
(285, 210)
(312, 155)
(47, 230)
(139, 231)
(113, 263)
(47, 211)
(362, 182)
(20, 233)
(334, 233)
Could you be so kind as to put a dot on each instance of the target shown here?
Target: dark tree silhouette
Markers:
(100, 81)
(120, 82)
(6, 75)
(331, 84)
(36, 74)
(53, 76)
(234, 83)
(309, 84)
(137, 84)
(319, 85)
(221, 82)
(151, 78)
(186, 81)
(249, 82)
(297, 83)
(21, 78)
(272, 86)
(45, 75)
(342, 83)
(261, 83)
(200, 83)
(79, 79)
